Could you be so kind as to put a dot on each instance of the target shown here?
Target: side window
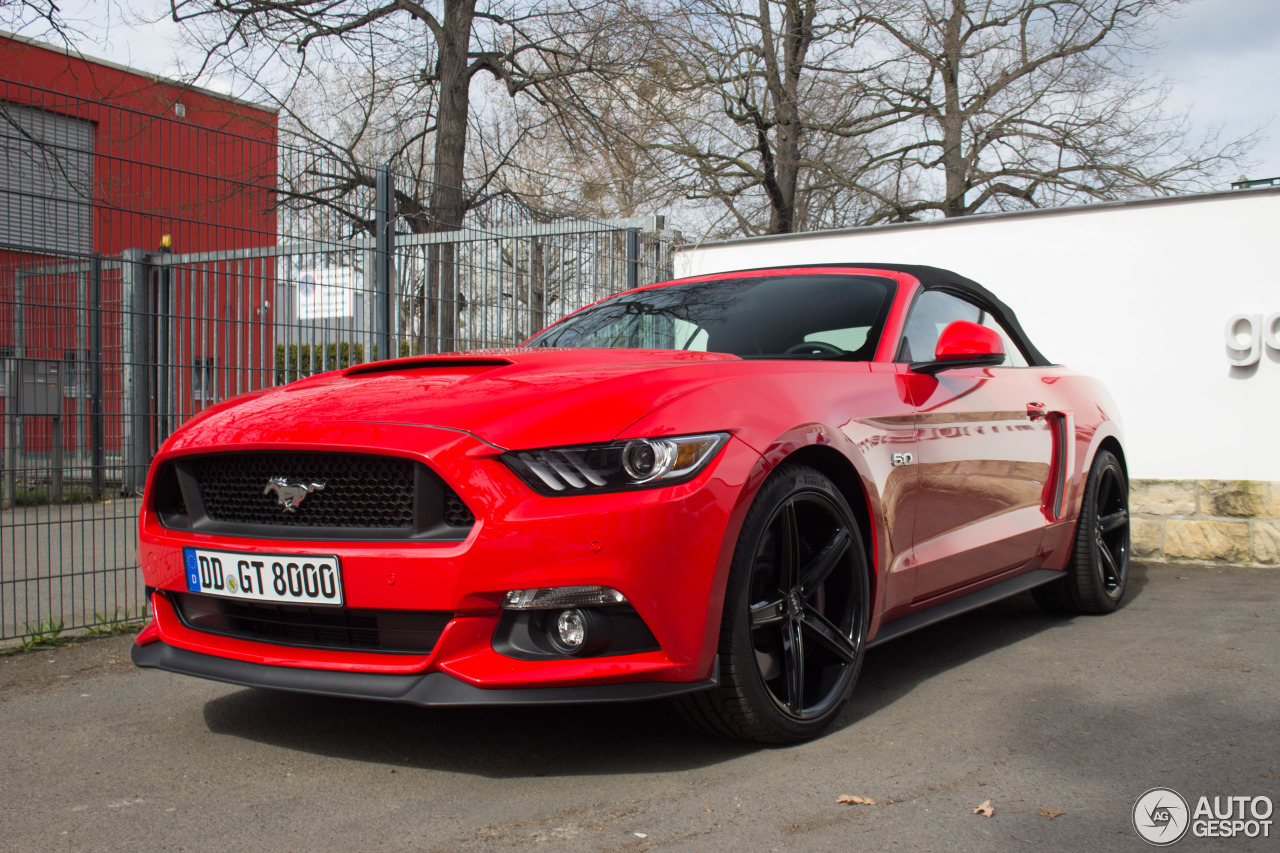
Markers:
(849, 340)
(933, 311)
(1012, 355)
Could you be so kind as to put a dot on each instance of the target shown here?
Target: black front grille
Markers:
(354, 490)
(456, 513)
(295, 495)
(334, 628)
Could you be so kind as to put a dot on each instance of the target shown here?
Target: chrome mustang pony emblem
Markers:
(290, 493)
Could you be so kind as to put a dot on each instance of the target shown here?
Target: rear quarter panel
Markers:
(1094, 420)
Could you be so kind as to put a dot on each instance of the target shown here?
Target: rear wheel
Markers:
(1098, 574)
(795, 615)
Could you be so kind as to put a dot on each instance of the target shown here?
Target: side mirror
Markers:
(964, 344)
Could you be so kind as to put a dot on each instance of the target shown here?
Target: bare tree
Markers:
(430, 53)
(562, 159)
(38, 19)
(342, 121)
(753, 106)
(1026, 103)
(763, 117)
(799, 114)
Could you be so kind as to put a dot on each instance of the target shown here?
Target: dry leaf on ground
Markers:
(855, 800)
(1050, 814)
(985, 809)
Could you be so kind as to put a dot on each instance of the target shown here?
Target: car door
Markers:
(984, 454)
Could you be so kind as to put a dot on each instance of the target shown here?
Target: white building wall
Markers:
(1138, 294)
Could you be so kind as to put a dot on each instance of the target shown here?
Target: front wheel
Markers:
(1098, 573)
(794, 626)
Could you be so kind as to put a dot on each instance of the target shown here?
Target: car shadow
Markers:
(581, 740)
(895, 669)
(498, 742)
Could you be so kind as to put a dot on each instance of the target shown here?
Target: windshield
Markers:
(789, 316)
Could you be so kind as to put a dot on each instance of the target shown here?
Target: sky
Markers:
(1222, 58)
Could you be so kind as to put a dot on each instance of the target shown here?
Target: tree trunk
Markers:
(953, 159)
(537, 286)
(783, 173)
(798, 34)
(447, 208)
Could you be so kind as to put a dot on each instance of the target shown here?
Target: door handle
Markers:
(1035, 411)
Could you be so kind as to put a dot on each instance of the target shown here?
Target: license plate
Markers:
(289, 578)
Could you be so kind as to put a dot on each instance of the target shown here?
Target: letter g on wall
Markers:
(1245, 335)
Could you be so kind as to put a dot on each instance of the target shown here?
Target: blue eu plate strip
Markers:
(193, 570)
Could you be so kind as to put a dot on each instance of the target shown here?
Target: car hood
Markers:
(510, 398)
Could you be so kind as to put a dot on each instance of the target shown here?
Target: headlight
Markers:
(636, 463)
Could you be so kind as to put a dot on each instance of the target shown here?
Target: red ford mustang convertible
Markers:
(722, 490)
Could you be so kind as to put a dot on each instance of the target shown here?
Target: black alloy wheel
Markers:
(1098, 573)
(1111, 530)
(795, 619)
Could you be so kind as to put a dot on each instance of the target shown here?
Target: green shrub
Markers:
(298, 361)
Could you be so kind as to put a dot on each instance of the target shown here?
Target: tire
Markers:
(1098, 574)
(794, 627)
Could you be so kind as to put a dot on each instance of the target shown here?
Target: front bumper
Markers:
(667, 550)
(432, 689)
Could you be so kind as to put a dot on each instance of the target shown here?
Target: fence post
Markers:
(383, 259)
(15, 439)
(165, 413)
(55, 452)
(11, 440)
(133, 339)
(97, 431)
(11, 418)
(633, 258)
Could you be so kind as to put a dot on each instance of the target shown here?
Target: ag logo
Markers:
(1161, 816)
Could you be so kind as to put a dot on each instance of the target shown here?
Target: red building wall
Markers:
(167, 160)
(207, 177)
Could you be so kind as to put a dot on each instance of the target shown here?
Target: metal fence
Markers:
(176, 300)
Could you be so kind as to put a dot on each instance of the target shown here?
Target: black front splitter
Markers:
(434, 689)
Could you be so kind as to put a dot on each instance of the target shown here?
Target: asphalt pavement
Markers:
(1061, 723)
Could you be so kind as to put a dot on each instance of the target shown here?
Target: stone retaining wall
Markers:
(1206, 521)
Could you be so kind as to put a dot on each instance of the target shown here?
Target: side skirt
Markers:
(963, 604)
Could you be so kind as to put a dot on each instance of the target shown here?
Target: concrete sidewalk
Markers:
(1060, 723)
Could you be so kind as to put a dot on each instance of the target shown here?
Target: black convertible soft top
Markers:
(936, 278)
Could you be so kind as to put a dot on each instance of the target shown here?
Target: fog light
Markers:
(571, 630)
(576, 631)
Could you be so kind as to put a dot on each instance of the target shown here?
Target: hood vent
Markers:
(419, 362)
